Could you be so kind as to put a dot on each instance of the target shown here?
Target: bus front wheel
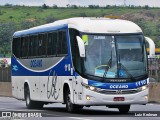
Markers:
(70, 107)
(124, 108)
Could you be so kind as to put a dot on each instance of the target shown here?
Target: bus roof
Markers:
(87, 25)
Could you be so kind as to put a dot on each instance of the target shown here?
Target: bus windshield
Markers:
(115, 56)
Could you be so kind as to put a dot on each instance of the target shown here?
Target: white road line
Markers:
(150, 104)
(2, 108)
(19, 109)
(59, 116)
(53, 115)
(3, 118)
(79, 118)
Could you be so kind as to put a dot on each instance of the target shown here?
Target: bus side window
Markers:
(64, 43)
(44, 45)
(59, 45)
(42, 49)
(22, 47)
(26, 46)
(62, 48)
(40, 45)
(51, 44)
(30, 46)
(14, 51)
(35, 46)
(19, 49)
(16, 47)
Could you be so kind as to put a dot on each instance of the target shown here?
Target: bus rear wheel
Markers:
(124, 108)
(30, 103)
(70, 107)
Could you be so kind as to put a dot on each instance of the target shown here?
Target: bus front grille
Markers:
(133, 91)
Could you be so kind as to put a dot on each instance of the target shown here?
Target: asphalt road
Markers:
(57, 112)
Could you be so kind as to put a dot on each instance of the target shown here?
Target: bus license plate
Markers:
(118, 99)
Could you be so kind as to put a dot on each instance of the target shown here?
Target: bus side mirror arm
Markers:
(151, 46)
(81, 46)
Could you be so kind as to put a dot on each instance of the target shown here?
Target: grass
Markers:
(21, 13)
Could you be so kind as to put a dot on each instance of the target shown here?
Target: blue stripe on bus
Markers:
(117, 86)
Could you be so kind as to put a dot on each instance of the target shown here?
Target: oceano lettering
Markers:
(36, 63)
(118, 86)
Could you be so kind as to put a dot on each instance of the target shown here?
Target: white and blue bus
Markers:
(81, 62)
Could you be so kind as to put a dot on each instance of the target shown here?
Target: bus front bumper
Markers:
(94, 98)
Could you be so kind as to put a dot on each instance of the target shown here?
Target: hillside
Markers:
(13, 18)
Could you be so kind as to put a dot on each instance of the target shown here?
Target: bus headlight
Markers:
(92, 88)
(143, 88)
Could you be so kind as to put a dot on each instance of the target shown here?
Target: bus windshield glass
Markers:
(115, 56)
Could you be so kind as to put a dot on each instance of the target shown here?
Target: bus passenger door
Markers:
(74, 90)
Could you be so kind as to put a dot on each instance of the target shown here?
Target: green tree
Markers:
(55, 6)
(44, 6)
(146, 7)
(6, 33)
(74, 6)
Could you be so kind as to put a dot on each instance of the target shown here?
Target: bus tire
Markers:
(70, 107)
(124, 109)
(30, 103)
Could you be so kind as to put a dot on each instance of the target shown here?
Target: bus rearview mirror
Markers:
(81, 46)
(151, 46)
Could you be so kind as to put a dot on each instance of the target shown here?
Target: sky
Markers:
(153, 3)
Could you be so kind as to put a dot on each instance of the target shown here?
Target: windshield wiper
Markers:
(124, 68)
(120, 65)
(109, 65)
